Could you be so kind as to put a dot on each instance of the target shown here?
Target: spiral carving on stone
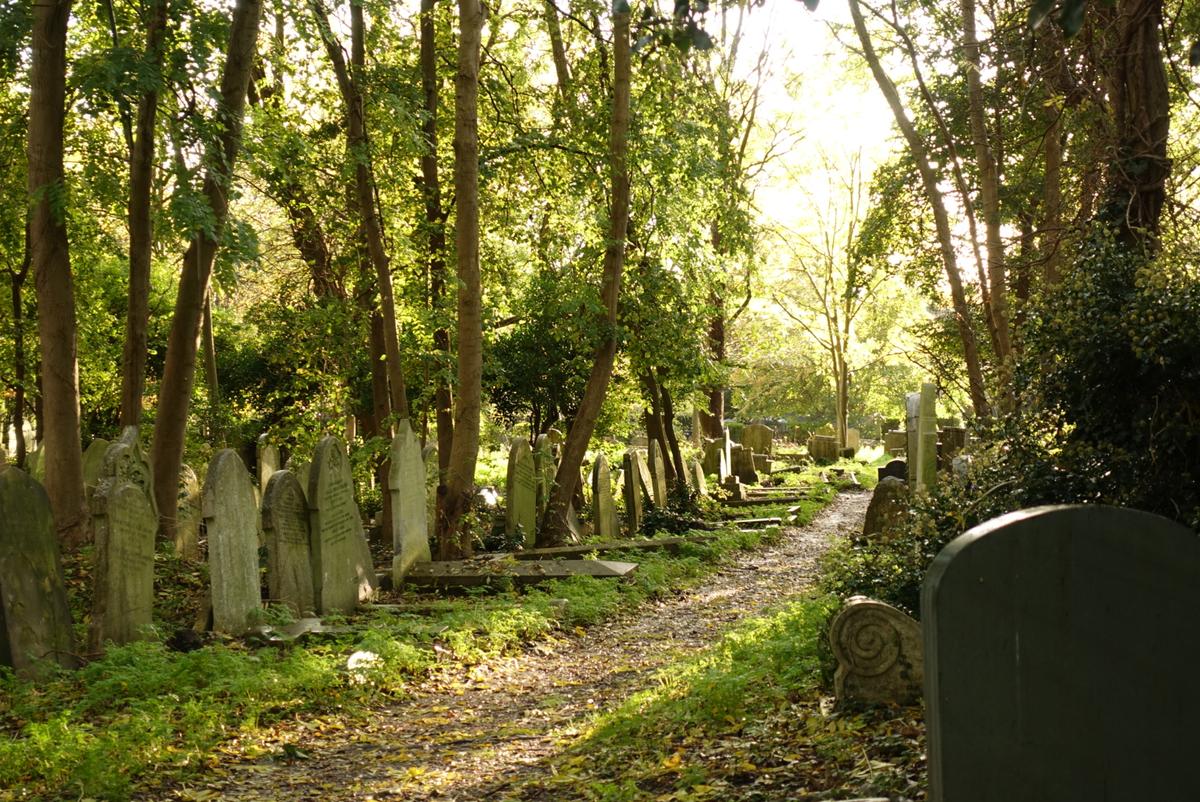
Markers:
(865, 638)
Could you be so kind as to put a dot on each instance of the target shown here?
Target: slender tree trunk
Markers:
(458, 488)
(141, 183)
(941, 220)
(668, 419)
(381, 411)
(558, 51)
(20, 372)
(51, 263)
(656, 425)
(179, 372)
(211, 380)
(714, 419)
(554, 524)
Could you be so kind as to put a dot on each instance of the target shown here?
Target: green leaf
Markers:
(1071, 17)
(1039, 11)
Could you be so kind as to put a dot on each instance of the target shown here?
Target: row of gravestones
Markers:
(1056, 653)
(925, 446)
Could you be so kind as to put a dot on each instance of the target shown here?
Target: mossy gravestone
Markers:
(410, 500)
(93, 464)
(35, 622)
(187, 515)
(1061, 646)
(289, 557)
(759, 438)
(231, 519)
(343, 573)
(123, 594)
(603, 509)
(268, 462)
(658, 475)
(124, 459)
(520, 493)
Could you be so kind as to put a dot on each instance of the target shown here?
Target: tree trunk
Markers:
(179, 372)
(554, 523)
(668, 421)
(18, 278)
(212, 381)
(458, 488)
(558, 50)
(656, 425)
(141, 233)
(941, 220)
(51, 263)
(381, 411)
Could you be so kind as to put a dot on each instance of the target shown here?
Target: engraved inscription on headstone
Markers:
(343, 573)
(520, 489)
(232, 522)
(123, 596)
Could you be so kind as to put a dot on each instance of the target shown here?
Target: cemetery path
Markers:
(477, 733)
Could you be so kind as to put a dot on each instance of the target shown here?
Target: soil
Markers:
(481, 733)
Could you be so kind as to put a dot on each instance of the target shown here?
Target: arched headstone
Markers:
(343, 573)
(410, 501)
(520, 493)
(123, 589)
(232, 522)
(604, 510)
(289, 557)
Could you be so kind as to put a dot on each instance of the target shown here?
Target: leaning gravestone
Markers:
(124, 459)
(887, 510)
(268, 462)
(878, 651)
(93, 465)
(123, 598)
(645, 480)
(1061, 646)
(343, 571)
(188, 515)
(520, 493)
(543, 468)
(231, 520)
(699, 483)
(289, 557)
(35, 622)
(758, 438)
(633, 492)
(406, 483)
(604, 511)
(658, 475)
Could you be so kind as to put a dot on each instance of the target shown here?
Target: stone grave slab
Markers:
(343, 573)
(823, 448)
(35, 621)
(124, 527)
(742, 465)
(1061, 647)
(887, 511)
(879, 653)
(520, 493)
(927, 438)
(285, 526)
(483, 571)
(232, 522)
(410, 514)
(895, 442)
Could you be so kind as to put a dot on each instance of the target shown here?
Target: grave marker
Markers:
(742, 465)
(658, 475)
(878, 651)
(268, 462)
(289, 556)
(410, 515)
(123, 592)
(343, 572)
(188, 515)
(699, 483)
(758, 438)
(927, 438)
(93, 465)
(231, 520)
(633, 492)
(604, 510)
(520, 493)
(124, 459)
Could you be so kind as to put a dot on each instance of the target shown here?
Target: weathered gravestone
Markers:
(1061, 646)
(714, 459)
(912, 415)
(124, 459)
(231, 520)
(188, 515)
(853, 439)
(543, 470)
(604, 510)
(927, 438)
(895, 442)
(758, 438)
(343, 571)
(699, 482)
(887, 510)
(878, 651)
(520, 493)
(658, 475)
(742, 465)
(823, 448)
(123, 592)
(93, 464)
(289, 554)
(410, 516)
(633, 492)
(268, 462)
(897, 468)
(645, 481)
(35, 622)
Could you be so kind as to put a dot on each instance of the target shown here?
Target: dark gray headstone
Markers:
(123, 592)
(343, 570)
(888, 509)
(520, 493)
(35, 622)
(1061, 646)
(897, 469)
(632, 488)
(289, 556)
(232, 522)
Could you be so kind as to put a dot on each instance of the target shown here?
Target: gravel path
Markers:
(469, 734)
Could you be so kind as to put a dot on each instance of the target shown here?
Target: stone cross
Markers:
(604, 510)
(343, 570)
(36, 632)
(878, 651)
(406, 483)
(123, 583)
(1061, 646)
(231, 520)
(633, 492)
(289, 555)
(520, 493)
(658, 475)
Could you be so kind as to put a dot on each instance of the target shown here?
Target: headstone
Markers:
(1061, 647)
(743, 464)
(714, 450)
(853, 439)
(912, 406)
(301, 468)
(878, 651)
(268, 462)
(645, 481)
(887, 511)
(123, 583)
(699, 482)
(604, 510)
(897, 468)
(289, 557)
(343, 571)
(520, 493)
(35, 622)
(758, 438)
(124, 459)
(410, 502)
(188, 515)
(93, 464)
(633, 493)
(697, 428)
(543, 468)
(658, 475)
(927, 438)
(231, 520)
(895, 442)
(763, 464)
(823, 448)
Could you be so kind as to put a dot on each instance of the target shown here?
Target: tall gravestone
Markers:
(604, 510)
(912, 409)
(125, 459)
(543, 468)
(758, 438)
(35, 621)
(633, 492)
(853, 439)
(406, 483)
(927, 437)
(343, 571)
(289, 555)
(714, 453)
(520, 493)
(268, 462)
(231, 520)
(188, 515)
(658, 474)
(1061, 646)
(93, 464)
(123, 583)
(645, 480)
